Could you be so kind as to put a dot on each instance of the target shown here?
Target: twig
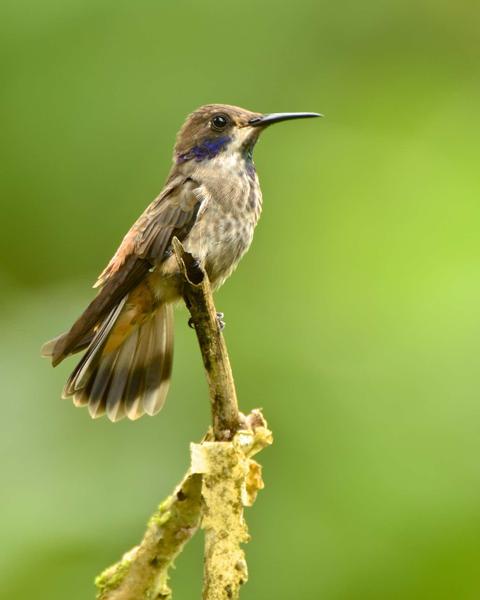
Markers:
(198, 298)
(222, 478)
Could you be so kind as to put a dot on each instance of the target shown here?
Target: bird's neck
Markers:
(220, 150)
(205, 150)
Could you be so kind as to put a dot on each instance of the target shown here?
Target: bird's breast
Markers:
(224, 232)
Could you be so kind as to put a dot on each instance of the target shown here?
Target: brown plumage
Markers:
(211, 202)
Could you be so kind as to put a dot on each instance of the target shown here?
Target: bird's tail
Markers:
(125, 370)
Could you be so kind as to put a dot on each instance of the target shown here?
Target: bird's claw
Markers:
(220, 321)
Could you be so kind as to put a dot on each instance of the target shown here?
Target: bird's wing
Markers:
(172, 213)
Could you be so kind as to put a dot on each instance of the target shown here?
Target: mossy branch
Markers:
(222, 479)
(142, 573)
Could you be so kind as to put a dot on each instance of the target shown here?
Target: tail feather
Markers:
(76, 380)
(96, 388)
(138, 382)
(157, 380)
(132, 379)
(125, 364)
(120, 285)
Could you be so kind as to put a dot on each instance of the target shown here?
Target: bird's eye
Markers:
(219, 122)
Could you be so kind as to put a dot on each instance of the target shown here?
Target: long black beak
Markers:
(277, 117)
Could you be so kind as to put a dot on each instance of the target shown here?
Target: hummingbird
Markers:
(211, 202)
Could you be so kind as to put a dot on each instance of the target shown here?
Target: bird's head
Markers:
(216, 128)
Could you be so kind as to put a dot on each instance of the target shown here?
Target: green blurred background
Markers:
(354, 321)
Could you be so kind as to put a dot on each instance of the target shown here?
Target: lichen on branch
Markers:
(223, 478)
(230, 481)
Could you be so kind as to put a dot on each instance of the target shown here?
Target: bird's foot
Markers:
(220, 321)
